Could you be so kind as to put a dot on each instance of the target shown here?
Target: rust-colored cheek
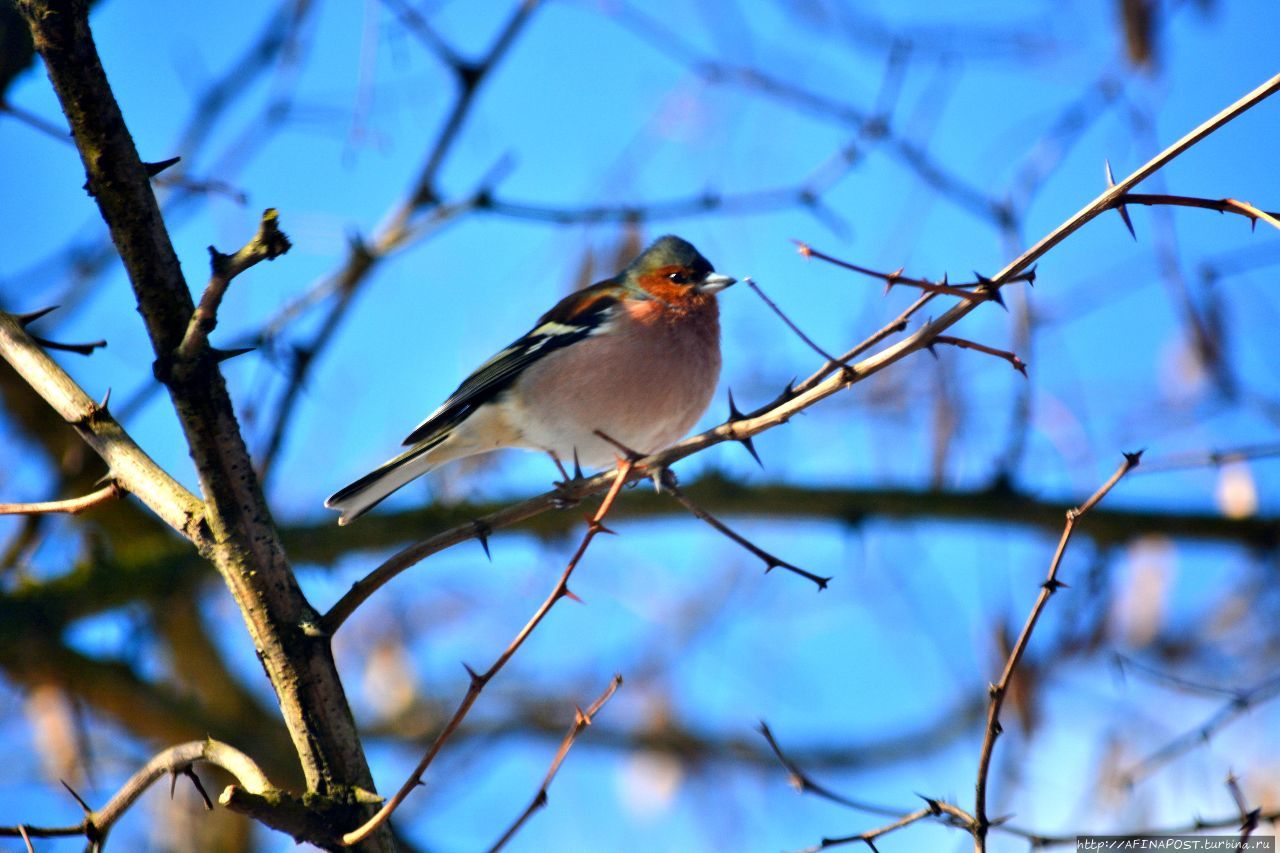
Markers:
(668, 297)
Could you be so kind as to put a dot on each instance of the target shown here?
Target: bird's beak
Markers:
(715, 282)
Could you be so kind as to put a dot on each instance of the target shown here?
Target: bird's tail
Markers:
(364, 494)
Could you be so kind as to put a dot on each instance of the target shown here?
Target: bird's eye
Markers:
(678, 277)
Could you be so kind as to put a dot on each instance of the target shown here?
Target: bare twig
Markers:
(1211, 458)
(792, 326)
(964, 343)
(580, 722)
(267, 245)
(129, 465)
(1000, 689)
(1239, 703)
(172, 761)
(802, 782)
(1222, 205)
(871, 835)
(1248, 817)
(771, 562)
(1042, 841)
(951, 815)
(70, 506)
(963, 291)
(595, 526)
(893, 327)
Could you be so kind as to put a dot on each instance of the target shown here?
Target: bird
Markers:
(635, 357)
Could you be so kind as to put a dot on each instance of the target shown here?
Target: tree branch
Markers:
(173, 761)
(595, 526)
(242, 540)
(267, 245)
(70, 506)
(580, 722)
(999, 690)
(128, 464)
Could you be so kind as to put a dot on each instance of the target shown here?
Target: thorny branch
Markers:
(580, 722)
(1223, 205)
(1238, 703)
(950, 814)
(1000, 689)
(963, 343)
(129, 466)
(771, 562)
(234, 531)
(267, 245)
(175, 761)
(595, 526)
(954, 816)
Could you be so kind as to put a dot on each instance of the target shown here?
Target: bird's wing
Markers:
(579, 315)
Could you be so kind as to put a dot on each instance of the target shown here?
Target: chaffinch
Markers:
(636, 356)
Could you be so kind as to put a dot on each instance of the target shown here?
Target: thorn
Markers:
(933, 350)
(1054, 585)
(195, 780)
(987, 286)
(628, 455)
(106, 398)
(1120, 208)
(803, 249)
(571, 595)
(475, 676)
(1134, 458)
(1128, 223)
(1031, 276)
(1020, 366)
(734, 413)
(221, 355)
(891, 279)
(599, 527)
(30, 317)
(787, 394)
(78, 349)
(577, 466)
(173, 782)
(482, 532)
(78, 798)
(217, 261)
(154, 169)
(934, 806)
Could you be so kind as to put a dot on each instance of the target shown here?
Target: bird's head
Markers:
(672, 267)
